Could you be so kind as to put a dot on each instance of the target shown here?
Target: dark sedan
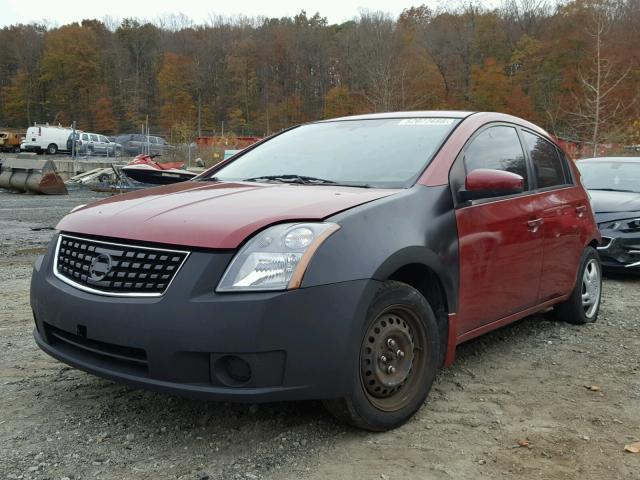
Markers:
(614, 186)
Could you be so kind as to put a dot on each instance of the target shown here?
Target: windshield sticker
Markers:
(426, 121)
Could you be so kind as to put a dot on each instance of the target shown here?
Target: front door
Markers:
(500, 240)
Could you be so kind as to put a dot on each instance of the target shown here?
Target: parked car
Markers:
(10, 141)
(47, 138)
(614, 186)
(94, 144)
(340, 260)
(135, 144)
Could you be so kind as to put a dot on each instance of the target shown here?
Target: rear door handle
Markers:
(534, 225)
(581, 210)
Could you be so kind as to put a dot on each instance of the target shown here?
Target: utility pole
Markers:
(147, 129)
(199, 114)
(73, 147)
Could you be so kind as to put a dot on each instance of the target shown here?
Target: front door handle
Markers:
(581, 210)
(534, 225)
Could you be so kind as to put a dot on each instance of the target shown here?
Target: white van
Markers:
(46, 138)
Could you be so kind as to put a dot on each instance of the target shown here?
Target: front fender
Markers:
(416, 225)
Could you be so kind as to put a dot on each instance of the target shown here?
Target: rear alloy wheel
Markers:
(583, 304)
(398, 361)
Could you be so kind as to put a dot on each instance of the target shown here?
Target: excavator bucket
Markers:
(32, 176)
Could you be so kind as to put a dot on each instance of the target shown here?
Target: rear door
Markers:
(563, 212)
(104, 144)
(84, 138)
(500, 240)
(154, 148)
(94, 146)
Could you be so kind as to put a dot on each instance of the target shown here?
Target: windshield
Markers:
(606, 175)
(385, 153)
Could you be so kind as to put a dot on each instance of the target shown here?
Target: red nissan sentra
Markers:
(340, 260)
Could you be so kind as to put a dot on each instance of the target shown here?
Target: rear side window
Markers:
(85, 136)
(547, 164)
(497, 148)
(94, 137)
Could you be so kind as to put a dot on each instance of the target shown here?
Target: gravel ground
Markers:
(514, 405)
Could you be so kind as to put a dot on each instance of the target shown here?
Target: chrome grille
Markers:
(116, 269)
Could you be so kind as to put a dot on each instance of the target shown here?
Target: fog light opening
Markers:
(232, 371)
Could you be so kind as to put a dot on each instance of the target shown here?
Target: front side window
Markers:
(381, 152)
(104, 139)
(497, 148)
(546, 161)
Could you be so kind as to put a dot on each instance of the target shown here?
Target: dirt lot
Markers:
(525, 383)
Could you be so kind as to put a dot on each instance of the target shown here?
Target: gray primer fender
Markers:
(414, 226)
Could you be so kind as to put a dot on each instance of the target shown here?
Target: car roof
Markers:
(407, 114)
(610, 159)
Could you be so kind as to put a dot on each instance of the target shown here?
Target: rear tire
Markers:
(52, 149)
(583, 304)
(397, 362)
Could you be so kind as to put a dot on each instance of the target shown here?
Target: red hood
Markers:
(211, 215)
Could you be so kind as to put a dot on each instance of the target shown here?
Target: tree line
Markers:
(572, 67)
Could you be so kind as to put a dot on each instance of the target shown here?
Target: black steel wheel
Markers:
(397, 361)
(389, 350)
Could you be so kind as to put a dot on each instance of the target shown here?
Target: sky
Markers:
(60, 12)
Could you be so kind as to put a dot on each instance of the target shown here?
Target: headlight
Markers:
(626, 226)
(276, 258)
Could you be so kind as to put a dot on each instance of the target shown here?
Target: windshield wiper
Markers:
(292, 178)
(612, 190)
(304, 180)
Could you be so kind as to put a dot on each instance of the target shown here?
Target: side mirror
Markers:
(488, 183)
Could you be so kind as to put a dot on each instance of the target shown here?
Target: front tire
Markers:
(583, 304)
(397, 363)
(52, 149)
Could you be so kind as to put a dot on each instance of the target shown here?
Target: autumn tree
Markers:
(598, 103)
(103, 119)
(541, 60)
(70, 74)
(174, 79)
